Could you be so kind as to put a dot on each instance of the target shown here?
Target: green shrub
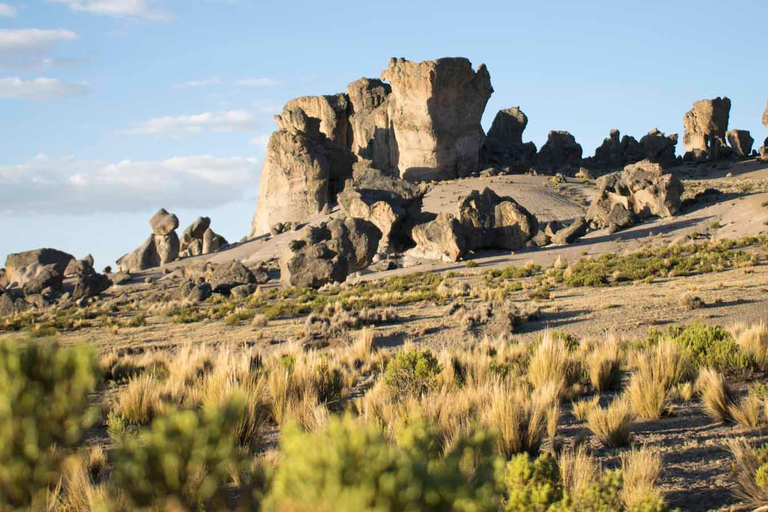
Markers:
(532, 486)
(711, 347)
(351, 467)
(412, 372)
(329, 383)
(44, 402)
(185, 459)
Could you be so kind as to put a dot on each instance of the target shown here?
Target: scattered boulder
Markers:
(503, 143)
(568, 235)
(21, 267)
(200, 293)
(434, 111)
(90, 284)
(48, 277)
(741, 142)
(705, 127)
(659, 148)
(121, 278)
(75, 267)
(329, 252)
(639, 191)
(163, 223)
(388, 202)
(440, 239)
(212, 242)
(229, 275)
(370, 137)
(243, 290)
(560, 153)
(490, 221)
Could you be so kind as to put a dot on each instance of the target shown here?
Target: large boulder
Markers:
(329, 252)
(491, 221)
(440, 239)
(657, 147)
(369, 122)
(741, 142)
(705, 127)
(615, 152)
(191, 242)
(229, 275)
(560, 153)
(212, 242)
(435, 110)
(388, 202)
(48, 277)
(640, 191)
(503, 143)
(75, 267)
(163, 223)
(21, 267)
(90, 284)
(156, 250)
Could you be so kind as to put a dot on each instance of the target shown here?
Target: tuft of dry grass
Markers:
(690, 301)
(610, 425)
(716, 395)
(748, 412)
(753, 341)
(140, 401)
(551, 363)
(363, 346)
(745, 467)
(578, 470)
(582, 408)
(640, 469)
(603, 364)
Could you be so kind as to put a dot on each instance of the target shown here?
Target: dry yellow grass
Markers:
(551, 363)
(582, 408)
(611, 425)
(753, 340)
(603, 364)
(641, 469)
(716, 395)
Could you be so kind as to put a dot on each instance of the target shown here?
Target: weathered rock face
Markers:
(740, 141)
(504, 145)
(229, 275)
(369, 122)
(331, 111)
(389, 203)
(191, 243)
(90, 284)
(705, 127)
(212, 242)
(435, 110)
(329, 252)
(440, 239)
(490, 221)
(639, 191)
(560, 153)
(21, 267)
(48, 277)
(615, 152)
(163, 223)
(659, 148)
(79, 266)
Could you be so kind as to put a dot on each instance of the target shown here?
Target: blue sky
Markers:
(112, 109)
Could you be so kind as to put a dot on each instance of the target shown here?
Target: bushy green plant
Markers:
(412, 372)
(351, 467)
(532, 486)
(184, 459)
(329, 383)
(711, 347)
(44, 402)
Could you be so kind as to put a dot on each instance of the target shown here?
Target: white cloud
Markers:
(258, 82)
(70, 185)
(260, 141)
(118, 8)
(206, 82)
(231, 121)
(40, 88)
(268, 106)
(32, 39)
(8, 11)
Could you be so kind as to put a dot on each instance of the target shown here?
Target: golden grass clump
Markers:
(747, 462)
(582, 408)
(716, 395)
(753, 341)
(610, 425)
(551, 363)
(603, 363)
(640, 469)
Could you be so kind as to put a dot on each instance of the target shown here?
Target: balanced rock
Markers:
(163, 223)
(440, 239)
(75, 267)
(503, 143)
(705, 127)
(329, 252)
(369, 122)
(388, 202)
(560, 152)
(156, 250)
(639, 191)
(741, 142)
(435, 110)
(491, 221)
(24, 266)
(659, 148)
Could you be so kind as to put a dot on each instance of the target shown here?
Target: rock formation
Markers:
(659, 148)
(160, 248)
(191, 243)
(560, 153)
(330, 110)
(22, 267)
(504, 145)
(212, 242)
(741, 142)
(615, 152)
(435, 110)
(329, 252)
(705, 127)
(369, 122)
(764, 149)
(639, 191)
(388, 202)
(483, 220)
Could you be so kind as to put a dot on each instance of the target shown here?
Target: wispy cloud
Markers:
(8, 11)
(119, 8)
(178, 126)
(258, 82)
(95, 186)
(40, 88)
(32, 39)
(207, 82)
(268, 106)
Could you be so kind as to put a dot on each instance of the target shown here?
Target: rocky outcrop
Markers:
(22, 267)
(659, 148)
(434, 111)
(561, 153)
(78, 266)
(615, 152)
(370, 137)
(90, 284)
(741, 142)
(483, 220)
(764, 149)
(49, 278)
(705, 127)
(640, 191)
(330, 110)
(191, 243)
(390, 203)
(329, 252)
(160, 248)
(503, 145)
(212, 242)
(229, 275)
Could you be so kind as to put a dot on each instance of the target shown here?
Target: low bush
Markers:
(412, 372)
